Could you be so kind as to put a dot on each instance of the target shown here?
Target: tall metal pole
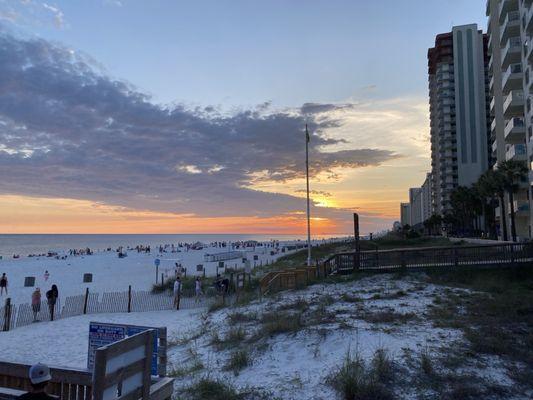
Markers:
(308, 208)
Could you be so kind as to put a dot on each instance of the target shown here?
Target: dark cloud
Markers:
(316, 192)
(67, 130)
(318, 108)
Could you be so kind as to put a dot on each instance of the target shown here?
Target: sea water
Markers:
(26, 244)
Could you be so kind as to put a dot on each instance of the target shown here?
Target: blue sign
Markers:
(103, 334)
(157, 261)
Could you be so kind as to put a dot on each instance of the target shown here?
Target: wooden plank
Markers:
(162, 389)
(100, 362)
(121, 374)
(126, 344)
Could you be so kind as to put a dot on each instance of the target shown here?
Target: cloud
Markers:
(315, 192)
(58, 14)
(69, 131)
(317, 108)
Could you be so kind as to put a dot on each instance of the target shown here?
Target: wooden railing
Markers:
(66, 383)
(290, 278)
(500, 255)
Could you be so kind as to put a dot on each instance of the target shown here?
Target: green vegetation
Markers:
(469, 204)
(496, 317)
(357, 380)
(213, 389)
(207, 388)
(238, 360)
(387, 317)
(277, 322)
(392, 240)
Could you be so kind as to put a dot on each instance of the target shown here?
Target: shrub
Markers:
(275, 323)
(237, 317)
(355, 381)
(238, 360)
(426, 364)
(211, 389)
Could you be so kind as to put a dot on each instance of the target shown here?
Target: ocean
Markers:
(24, 245)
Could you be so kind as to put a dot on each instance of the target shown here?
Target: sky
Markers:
(167, 116)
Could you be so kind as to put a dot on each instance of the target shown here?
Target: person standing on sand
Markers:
(46, 275)
(198, 289)
(52, 296)
(177, 292)
(36, 303)
(3, 284)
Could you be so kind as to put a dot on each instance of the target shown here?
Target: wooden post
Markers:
(356, 237)
(162, 278)
(85, 301)
(7, 314)
(129, 298)
(156, 273)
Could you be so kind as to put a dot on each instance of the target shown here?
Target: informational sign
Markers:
(200, 267)
(102, 334)
(248, 267)
(157, 261)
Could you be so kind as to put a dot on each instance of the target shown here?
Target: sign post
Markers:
(103, 334)
(157, 261)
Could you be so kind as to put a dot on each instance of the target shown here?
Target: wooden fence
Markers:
(290, 278)
(482, 256)
(14, 316)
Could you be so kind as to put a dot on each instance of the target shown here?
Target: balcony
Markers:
(511, 52)
(510, 27)
(494, 147)
(512, 77)
(492, 104)
(516, 152)
(493, 125)
(514, 103)
(528, 16)
(521, 208)
(505, 7)
(529, 50)
(515, 130)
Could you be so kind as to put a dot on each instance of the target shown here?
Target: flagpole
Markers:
(308, 208)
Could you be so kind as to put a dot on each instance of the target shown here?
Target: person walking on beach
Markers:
(3, 284)
(46, 275)
(36, 303)
(51, 297)
(198, 289)
(177, 292)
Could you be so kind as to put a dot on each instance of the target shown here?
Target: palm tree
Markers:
(487, 188)
(512, 173)
(464, 202)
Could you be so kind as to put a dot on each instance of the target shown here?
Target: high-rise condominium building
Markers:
(510, 47)
(405, 214)
(458, 96)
